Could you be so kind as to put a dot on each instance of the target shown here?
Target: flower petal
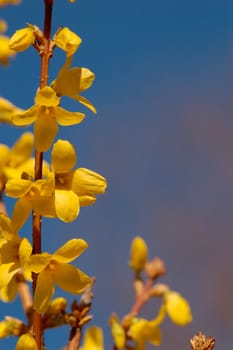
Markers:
(21, 150)
(153, 334)
(17, 188)
(38, 262)
(26, 117)
(66, 205)
(178, 308)
(70, 250)
(25, 250)
(67, 40)
(21, 213)
(44, 291)
(67, 118)
(7, 271)
(85, 179)
(26, 342)
(9, 292)
(63, 156)
(93, 339)
(47, 97)
(85, 102)
(6, 107)
(73, 81)
(5, 152)
(45, 206)
(45, 129)
(70, 279)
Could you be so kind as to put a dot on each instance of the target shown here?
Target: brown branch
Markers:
(36, 219)
(74, 340)
(25, 296)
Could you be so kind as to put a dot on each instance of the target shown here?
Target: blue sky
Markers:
(163, 139)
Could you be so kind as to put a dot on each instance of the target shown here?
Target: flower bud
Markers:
(56, 306)
(138, 254)
(178, 308)
(26, 341)
(22, 39)
(67, 40)
(155, 268)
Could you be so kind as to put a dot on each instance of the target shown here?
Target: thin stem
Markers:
(142, 298)
(36, 219)
(75, 337)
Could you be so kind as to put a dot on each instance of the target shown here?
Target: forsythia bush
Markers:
(59, 190)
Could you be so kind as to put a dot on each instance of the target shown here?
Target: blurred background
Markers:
(162, 138)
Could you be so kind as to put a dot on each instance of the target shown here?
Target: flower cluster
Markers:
(58, 190)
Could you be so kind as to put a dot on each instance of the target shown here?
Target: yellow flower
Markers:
(142, 331)
(55, 269)
(46, 113)
(33, 195)
(26, 342)
(93, 339)
(71, 82)
(22, 39)
(5, 51)
(67, 40)
(177, 308)
(6, 107)
(15, 161)
(72, 188)
(9, 2)
(138, 254)
(14, 255)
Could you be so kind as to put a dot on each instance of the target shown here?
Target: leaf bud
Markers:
(155, 268)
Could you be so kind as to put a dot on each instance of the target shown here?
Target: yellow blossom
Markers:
(72, 188)
(26, 342)
(71, 82)
(93, 339)
(32, 195)
(67, 40)
(6, 107)
(142, 331)
(5, 51)
(54, 269)
(177, 308)
(14, 255)
(16, 160)
(22, 39)
(46, 113)
(138, 254)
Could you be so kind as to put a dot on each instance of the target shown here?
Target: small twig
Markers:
(25, 296)
(75, 338)
(202, 342)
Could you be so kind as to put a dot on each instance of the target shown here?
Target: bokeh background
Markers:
(163, 137)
